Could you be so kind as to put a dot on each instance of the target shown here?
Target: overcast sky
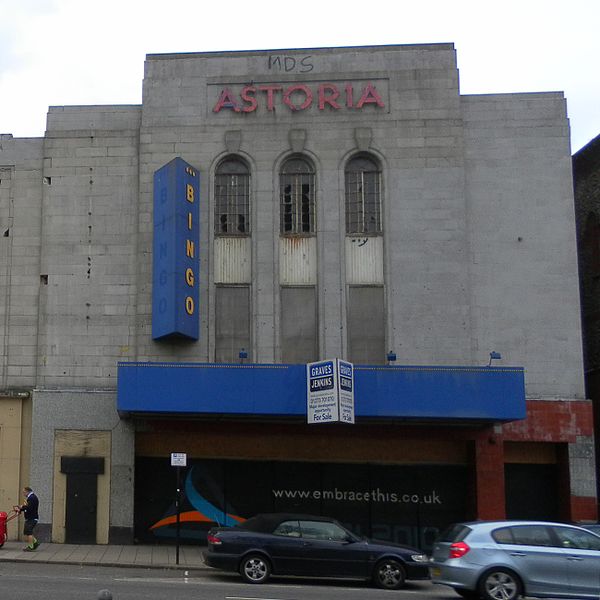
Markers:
(65, 52)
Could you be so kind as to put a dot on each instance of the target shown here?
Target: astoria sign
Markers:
(299, 96)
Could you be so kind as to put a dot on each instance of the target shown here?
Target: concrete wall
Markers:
(418, 138)
(82, 411)
(21, 185)
(479, 239)
(89, 215)
(522, 247)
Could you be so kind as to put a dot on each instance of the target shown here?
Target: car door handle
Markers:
(574, 558)
(518, 554)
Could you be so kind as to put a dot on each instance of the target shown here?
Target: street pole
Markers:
(178, 459)
(178, 507)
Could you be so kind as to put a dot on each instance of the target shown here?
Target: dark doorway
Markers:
(80, 520)
(82, 498)
(531, 491)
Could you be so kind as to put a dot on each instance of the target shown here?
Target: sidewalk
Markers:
(156, 557)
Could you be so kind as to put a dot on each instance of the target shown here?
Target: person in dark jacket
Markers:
(29, 509)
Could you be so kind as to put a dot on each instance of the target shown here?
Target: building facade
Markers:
(168, 270)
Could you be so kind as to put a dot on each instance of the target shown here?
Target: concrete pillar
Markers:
(583, 506)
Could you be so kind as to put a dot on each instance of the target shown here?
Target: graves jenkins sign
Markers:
(330, 391)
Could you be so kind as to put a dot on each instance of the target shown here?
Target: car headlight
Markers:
(420, 557)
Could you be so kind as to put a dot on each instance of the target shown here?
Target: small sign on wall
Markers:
(330, 391)
(178, 459)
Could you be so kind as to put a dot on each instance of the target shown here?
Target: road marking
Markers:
(249, 598)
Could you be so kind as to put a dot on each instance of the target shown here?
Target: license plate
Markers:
(436, 572)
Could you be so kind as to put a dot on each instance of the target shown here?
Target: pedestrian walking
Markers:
(29, 509)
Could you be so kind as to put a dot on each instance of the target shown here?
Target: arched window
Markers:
(232, 198)
(363, 196)
(297, 197)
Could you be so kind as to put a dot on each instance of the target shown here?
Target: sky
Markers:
(79, 52)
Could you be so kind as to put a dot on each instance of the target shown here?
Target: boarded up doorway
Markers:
(82, 497)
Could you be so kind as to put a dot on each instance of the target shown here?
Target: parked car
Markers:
(503, 560)
(304, 545)
(593, 527)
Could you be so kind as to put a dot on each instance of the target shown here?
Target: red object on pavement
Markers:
(4, 519)
(3, 534)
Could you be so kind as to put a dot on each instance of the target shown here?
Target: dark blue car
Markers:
(305, 545)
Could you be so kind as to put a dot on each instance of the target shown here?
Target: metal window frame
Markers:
(297, 199)
(363, 207)
(232, 199)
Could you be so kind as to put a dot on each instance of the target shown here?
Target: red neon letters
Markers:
(297, 96)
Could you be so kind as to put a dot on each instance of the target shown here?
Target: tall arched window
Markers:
(232, 198)
(363, 196)
(297, 197)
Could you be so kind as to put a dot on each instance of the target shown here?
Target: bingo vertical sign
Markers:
(175, 251)
(330, 391)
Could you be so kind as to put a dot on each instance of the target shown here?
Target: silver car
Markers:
(502, 560)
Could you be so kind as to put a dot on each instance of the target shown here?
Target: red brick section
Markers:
(583, 509)
(489, 480)
(552, 421)
(558, 421)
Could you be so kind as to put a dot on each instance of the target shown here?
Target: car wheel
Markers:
(500, 584)
(389, 574)
(255, 569)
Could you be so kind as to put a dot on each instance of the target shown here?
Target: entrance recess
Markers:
(531, 491)
(82, 497)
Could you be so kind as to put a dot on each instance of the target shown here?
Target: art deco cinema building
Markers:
(167, 270)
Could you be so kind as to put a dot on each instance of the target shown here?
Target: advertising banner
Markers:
(407, 504)
(330, 391)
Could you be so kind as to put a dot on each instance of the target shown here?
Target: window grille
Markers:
(363, 196)
(232, 198)
(297, 197)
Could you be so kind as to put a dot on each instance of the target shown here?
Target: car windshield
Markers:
(454, 533)
(252, 524)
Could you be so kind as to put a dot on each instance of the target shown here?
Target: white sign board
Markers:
(345, 372)
(330, 391)
(178, 459)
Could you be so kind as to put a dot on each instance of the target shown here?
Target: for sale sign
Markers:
(345, 372)
(330, 391)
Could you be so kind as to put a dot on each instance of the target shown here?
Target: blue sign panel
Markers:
(482, 394)
(175, 257)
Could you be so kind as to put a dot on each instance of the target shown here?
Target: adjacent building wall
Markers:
(586, 172)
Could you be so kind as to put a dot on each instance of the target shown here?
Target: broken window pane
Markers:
(363, 196)
(297, 197)
(232, 198)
